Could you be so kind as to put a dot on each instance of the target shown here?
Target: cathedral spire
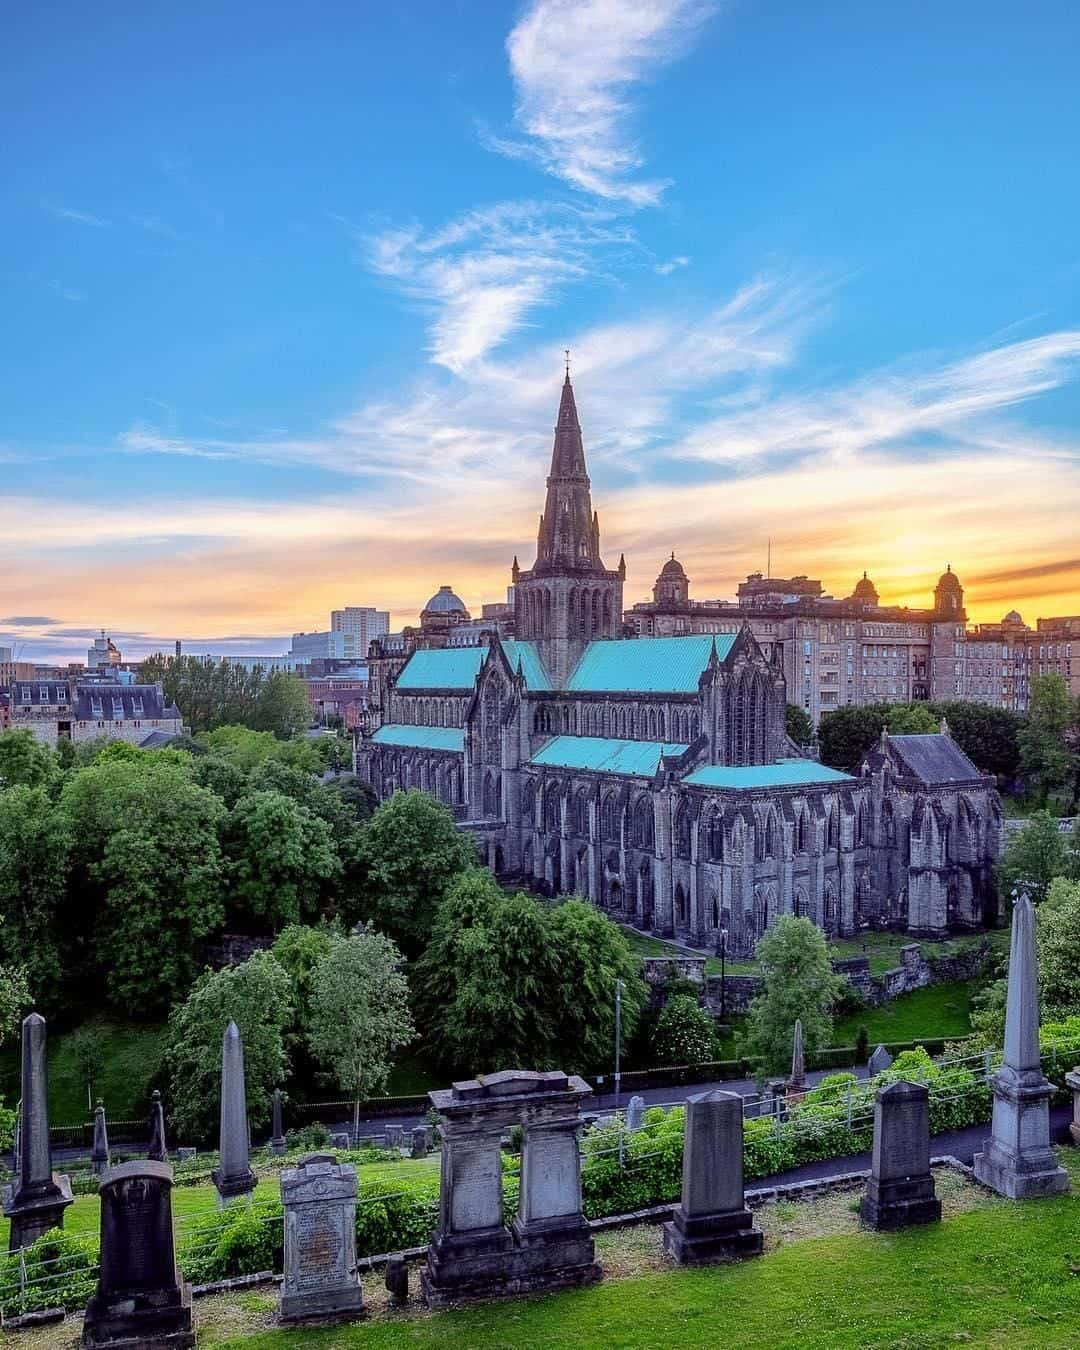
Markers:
(569, 531)
(568, 453)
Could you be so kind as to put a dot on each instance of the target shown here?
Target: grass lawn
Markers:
(937, 1010)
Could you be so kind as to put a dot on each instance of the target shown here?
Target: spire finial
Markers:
(566, 353)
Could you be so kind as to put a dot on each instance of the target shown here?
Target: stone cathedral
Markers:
(653, 775)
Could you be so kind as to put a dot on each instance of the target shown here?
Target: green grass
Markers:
(1003, 1275)
(937, 1010)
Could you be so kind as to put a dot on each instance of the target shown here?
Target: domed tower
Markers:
(443, 611)
(672, 585)
(949, 596)
(948, 628)
(865, 591)
(568, 597)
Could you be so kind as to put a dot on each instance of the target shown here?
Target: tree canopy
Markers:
(1048, 750)
(1035, 855)
(215, 694)
(798, 983)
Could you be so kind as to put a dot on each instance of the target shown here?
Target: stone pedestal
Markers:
(712, 1222)
(900, 1191)
(1072, 1081)
(473, 1254)
(141, 1302)
(320, 1282)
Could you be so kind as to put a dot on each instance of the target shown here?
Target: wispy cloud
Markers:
(80, 217)
(575, 64)
(665, 269)
(29, 620)
(66, 292)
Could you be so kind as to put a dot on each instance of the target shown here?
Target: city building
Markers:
(654, 776)
(56, 710)
(364, 622)
(103, 652)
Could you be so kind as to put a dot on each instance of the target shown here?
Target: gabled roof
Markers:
(527, 654)
(442, 668)
(647, 665)
(421, 738)
(638, 759)
(785, 773)
(933, 758)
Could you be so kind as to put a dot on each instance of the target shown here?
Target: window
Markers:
(43, 693)
(682, 831)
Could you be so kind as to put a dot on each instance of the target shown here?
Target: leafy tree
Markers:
(34, 853)
(1034, 856)
(360, 1013)
(279, 857)
(207, 694)
(88, 1046)
(1059, 951)
(24, 761)
(988, 736)
(14, 998)
(284, 708)
(248, 749)
(845, 734)
(298, 949)
(684, 1033)
(1047, 758)
(798, 982)
(798, 724)
(257, 996)
(410, 852)
(357, 795)
(911, 719)
(146, 870)
(220, 776)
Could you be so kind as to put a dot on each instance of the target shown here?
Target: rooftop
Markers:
(784, 773)
(636, 759)
(934, 758)
(647, 665)
(421, 738)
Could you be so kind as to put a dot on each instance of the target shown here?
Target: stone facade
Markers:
(655, 777)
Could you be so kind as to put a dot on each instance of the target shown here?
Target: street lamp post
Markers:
(721, 951)
(618, 1037)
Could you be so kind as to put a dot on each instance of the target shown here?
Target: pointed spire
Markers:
(622, 566)
(568, 452)
(1022, 1006)
(155, 1149)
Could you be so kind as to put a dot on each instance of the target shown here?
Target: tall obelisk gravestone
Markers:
(233, 1175)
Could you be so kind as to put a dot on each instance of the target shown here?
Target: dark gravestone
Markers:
(141, 1302)
(99, 1156)
(157, 1150)
(900, 1191)
(277, 1134)
(397, 1279)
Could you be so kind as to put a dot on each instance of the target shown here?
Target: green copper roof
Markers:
(785, 773)
(527, 653)
(647, 665)
(421, 738)
(635, 758)
(443, 668)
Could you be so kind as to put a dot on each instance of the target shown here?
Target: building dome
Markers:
(672, 568)
(949, 580)
(444, 601)
(1012, 617)
(865, 590)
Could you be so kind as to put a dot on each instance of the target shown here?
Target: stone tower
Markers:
(947, 632)
(568, 598)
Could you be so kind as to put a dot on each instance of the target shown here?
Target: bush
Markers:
(59, 1270)
(685, 1033)
(239, 1240)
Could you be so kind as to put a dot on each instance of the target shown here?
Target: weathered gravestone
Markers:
(233, 1175)
(397, 1279)
(635, 1113)
(156, 1149)
(141, 1303)
(395, 1136)
(99, 1154)
(473, 1254)
(1017, 1159)
(900, 1190)
(797, 1080)
(712, 1222)
(1072, 1081)
(880, 1060)
(277, 1134)
(341, 1140)
(420, 1142)
(319, 1196)
(35, 1201)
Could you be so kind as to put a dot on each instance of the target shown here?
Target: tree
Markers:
(146, 869)
(220, 776)
(14, 998)
(1034, 856)
(1047, 759)
(845, 734)
(410, 852)
(798, 724)
(88, 1046)
(249, 749)
(279, 858)
(1059, 951)
(257, 996)
(911, 719)
(34, 851)
(24, 761)
(988, 736)
(360, 1013)
(684, 1033)
(284, 708)
(799, 983)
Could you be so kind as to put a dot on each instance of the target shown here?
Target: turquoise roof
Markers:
(647, 665)
(528, 654)
(421, 738)
(442, 668)
(635, 758)
(785, 773)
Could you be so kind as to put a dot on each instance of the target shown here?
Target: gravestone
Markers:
(1017, 1160)
(635, 1113)
(395, 1136)
(712, 1222)
(319, 1197)
(473, 1254)
(233, 1175)
(277, 1134)
(880, 1060)
(397, 1279)
(35, 1201)
(156, 1148)
(185, 1154)
(900, 1189)
(797, 1081)
(1072, 1081)
(99, 1154)
(341, 1140)
(140, 1301)
(419, 1142)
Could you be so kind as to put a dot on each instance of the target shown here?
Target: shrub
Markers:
(239, 1240)
(685, 1033)
(388, 1219)
(58, 1270)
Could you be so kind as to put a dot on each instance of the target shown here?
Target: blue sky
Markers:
(286, 291)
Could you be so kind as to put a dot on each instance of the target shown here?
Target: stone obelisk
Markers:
(277, 1134)
(233, 1175)
(797, 1081)
(99, 1156)
(1017, 1159)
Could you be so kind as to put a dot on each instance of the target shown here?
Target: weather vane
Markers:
(567, 351)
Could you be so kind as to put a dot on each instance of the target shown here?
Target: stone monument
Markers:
(712, 1222)
(635, 1113)
(1072, 1081)
(157, 1150)
(277, 1134)
(140, 1303)
(900, 1190)
(319, 1197)
(797, 1080)
(233, 1175)
(35, 1201)
(397, 1279)
(473, 1253)
(880, 1060)
(1017, 1160)
(395, 1136)
(99, 1154)
(419, 1142)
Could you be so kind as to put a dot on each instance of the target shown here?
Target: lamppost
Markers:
(721, 951)
(618, 1037)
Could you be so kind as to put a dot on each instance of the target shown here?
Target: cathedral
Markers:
(653, 776)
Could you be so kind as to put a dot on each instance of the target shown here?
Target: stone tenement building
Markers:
(58, 710)
(654, 777)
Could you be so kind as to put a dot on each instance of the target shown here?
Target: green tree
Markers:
(298, 949)
(88, 1047)
(988, 736)
(257, 996)
(798, 982)
(1059, 951)
(798, 724)
(684, 1033)
(24, 761)
(410, 852)
(1034, 856)
(1047, 758)
(36, 932)
(220, 776)
(845, 734)
(249, 749)
(283, 706)
(360, 1013)
(911, 719)
(146, 871)
(280, 856)
(14, 999)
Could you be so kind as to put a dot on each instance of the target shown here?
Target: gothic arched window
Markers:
(609, 817)
(528, 802)
(832, 827)
(714, 835)
(492, 725)
(682, 830)
(643, 822)
(551, 807)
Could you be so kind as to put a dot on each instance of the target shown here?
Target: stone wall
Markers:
(658, 970)
(233, 949)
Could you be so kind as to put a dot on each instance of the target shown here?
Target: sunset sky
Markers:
(285, 291)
